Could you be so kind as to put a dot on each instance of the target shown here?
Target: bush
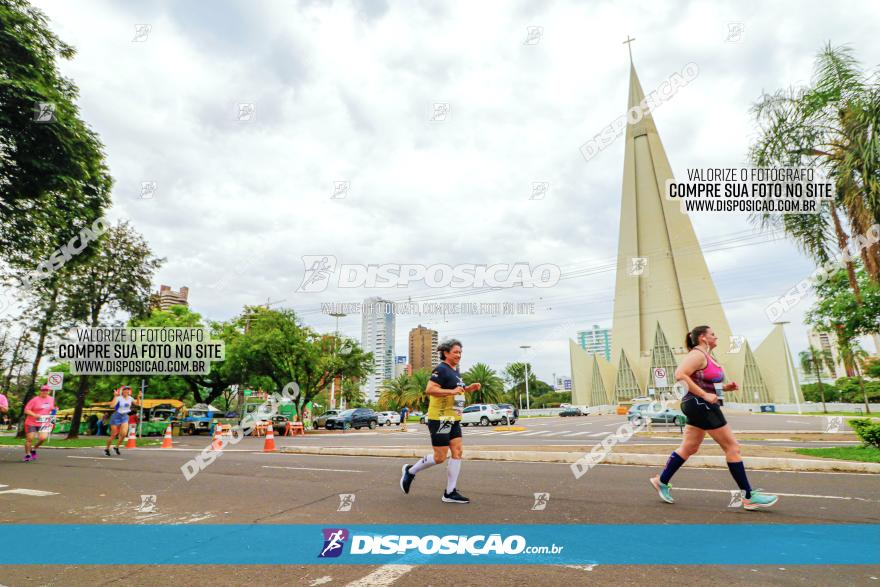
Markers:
(867, 430)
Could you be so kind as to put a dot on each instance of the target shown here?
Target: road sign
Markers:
(56, 380)
(660, 377)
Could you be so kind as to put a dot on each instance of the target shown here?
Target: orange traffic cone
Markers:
(166, 442)
(269, 444)
(130, 443)
(217, 443)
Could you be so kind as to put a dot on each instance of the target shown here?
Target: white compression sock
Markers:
(423, 463)
(452, 469)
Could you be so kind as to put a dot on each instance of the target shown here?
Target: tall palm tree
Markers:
(813, 361)
(855, 355)
(832, 125)
(416, 397)
(491, 385)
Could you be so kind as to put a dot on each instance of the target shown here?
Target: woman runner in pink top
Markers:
(704, 379)
(38, 422)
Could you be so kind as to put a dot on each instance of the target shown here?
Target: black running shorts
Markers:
(703, 415)
(442, 431)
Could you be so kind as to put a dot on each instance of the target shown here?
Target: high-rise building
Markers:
(596, 341)
(166, 297)
(827, 341)
(400, 365)
(423, 352)
(377, 337)
(663, 289)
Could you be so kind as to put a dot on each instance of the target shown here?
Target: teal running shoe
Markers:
(663, 489)
(759, 500)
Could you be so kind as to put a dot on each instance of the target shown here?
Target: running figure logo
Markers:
(346, 500)
(318, 268)
(334, 541)
(541, 500)
(148, 504)
(736, 498)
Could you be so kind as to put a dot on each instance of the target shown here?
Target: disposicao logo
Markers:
(334, 541)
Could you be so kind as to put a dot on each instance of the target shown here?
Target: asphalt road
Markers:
(81, 486)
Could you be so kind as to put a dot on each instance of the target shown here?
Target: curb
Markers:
(713, 462)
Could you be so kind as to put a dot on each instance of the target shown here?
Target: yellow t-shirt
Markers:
(445, 407)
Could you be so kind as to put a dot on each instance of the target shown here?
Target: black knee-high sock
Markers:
(672, 465)
(738, 470)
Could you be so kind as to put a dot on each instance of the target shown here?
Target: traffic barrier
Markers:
(294, 428)
(269, 445)
(131, 442)
(217, 443)
(166, 442)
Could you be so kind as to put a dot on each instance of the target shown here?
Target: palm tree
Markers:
(416, 397)
(491, 385)
(393, 392)
(813, 361)
(833, 125)
(855, 355)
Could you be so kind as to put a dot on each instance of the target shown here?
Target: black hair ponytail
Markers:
(694, 335)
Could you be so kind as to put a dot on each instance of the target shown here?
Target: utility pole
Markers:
(336, 315)
(526, 347)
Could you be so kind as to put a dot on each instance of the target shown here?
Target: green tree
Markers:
(277, 346)
(116, 278)
(834, 125)
(393, 392)
(491, 385)
(814, 361)
(53, 179)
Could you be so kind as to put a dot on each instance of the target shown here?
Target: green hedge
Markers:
(867, 430)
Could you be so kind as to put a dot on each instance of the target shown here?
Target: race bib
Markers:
(43, 419)
(458, 406)
(719, 390)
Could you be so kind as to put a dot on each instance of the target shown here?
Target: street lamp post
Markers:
(526, 347)
(336, 315)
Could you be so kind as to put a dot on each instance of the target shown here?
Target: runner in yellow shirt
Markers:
(446, 401)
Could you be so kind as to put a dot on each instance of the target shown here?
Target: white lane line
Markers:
(612, 424)
(579, 433)
(314, 469)
(511, 433)
(384, 575)
(598, 434)
(32, 492)
(781, 494)
(535, 433)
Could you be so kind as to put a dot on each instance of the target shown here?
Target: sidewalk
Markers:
(644, 455)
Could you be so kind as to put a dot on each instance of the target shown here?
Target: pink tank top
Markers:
(707, 377)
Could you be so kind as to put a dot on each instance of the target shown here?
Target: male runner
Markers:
(446, 401)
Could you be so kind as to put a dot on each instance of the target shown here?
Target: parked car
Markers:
(321, 421)
(570, 411)
(665, 416)
(511, 407)
(508, 413)
(481, 415)
(355, 418)
(388, 418)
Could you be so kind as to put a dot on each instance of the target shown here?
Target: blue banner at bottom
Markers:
(527, 544)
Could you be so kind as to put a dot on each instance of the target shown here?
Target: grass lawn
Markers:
(78, 443)
(868, 454)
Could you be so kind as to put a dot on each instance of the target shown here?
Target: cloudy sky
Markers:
(346, 92)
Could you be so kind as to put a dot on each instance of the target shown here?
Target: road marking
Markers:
(97, 458)
(32, 492)
(384, 575)
(579, 433)
(598, 434)
(314, 469)
(612, 424)
(782, 494)
(321, 581)
(535, 433)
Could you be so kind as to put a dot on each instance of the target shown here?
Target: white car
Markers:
(388, 418)
(481, 415)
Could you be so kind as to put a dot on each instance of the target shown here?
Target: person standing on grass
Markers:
(38, 422)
